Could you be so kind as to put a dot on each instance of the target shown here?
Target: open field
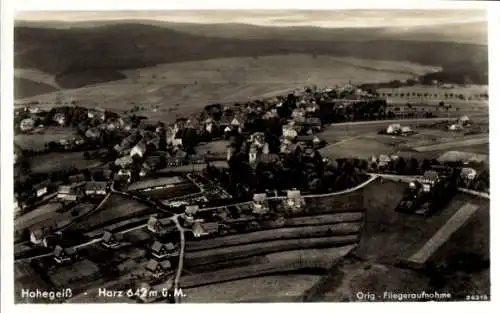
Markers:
(388, 233)
(340, 229)
(426, 252)
(55, 161)
(36, 76)
(36, 141)
(274, 288)
(242, 251)
(198, 83)
(117, 207)
(274, 262)
(454, 144)
(153, 182)
(362, 141)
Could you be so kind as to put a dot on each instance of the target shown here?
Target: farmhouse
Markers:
(124, 174)
(41, 189)
(158, 269)
(468, 174)
(94, 188)
(63, 255)
(138, 150)
(161, 251)
(109, 240)
(70, 192)
(294, 200)
(38, 236)
(60, 118)
(260, 205)
(93, 133)
(27, 124)
(429, 179)
(205, 229)
(154, 225)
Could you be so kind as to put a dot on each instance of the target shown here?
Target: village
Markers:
(229, 170)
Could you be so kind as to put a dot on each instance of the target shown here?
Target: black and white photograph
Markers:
(250, 156)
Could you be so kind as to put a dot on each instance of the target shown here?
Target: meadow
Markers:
(168, 91)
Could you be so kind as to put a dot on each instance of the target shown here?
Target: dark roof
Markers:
(156, 247)
(96, 185)
(76, 178)
(152, 265)
(43, 184)
(107, 236)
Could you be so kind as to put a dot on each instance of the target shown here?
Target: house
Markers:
(393, 129)
(429, 179)
(76, 178)
(406, 130)
(289, 133)
(41, 189)
(154, 225)
(231, 151)
(124, 174)
(190, 211)
(314, 123)
(27, 124)
(93, 133)
(468, 174)
(456, 127)
(464, 120)
(177, 142)
(227, 129)
(162, 251)
(294, 199)
(124, 161)
(253, 154)
(109, 240)
(38, 236)
(260, 205)
(138, 150)
(94, 188)
(60, 118)
(205, 229)
(70, 192)
(236, 122)
(158, 269)
(97, 114)
(63, 255)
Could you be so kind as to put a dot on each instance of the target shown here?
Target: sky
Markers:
(323, 18)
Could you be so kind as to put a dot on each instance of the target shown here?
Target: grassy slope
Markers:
(195, 84)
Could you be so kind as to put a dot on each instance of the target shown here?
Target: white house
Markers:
(456, 127)
(468, 173)
(138, 150)
(260, 205)
(27, 124)
(294, 200)
(60, 118)
(393, 128)
(177, 142)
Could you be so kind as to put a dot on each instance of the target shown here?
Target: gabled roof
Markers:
(96, 185)
(107, 236)
(152, 265)
(156, 247)
(259, 197)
